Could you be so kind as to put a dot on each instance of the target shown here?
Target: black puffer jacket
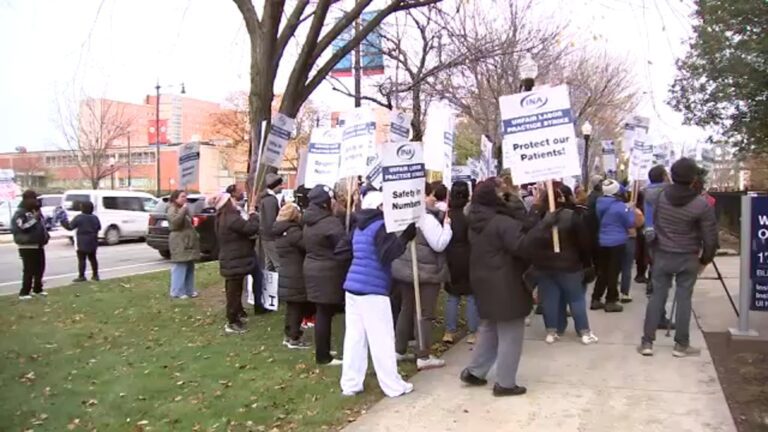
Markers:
(575, 244)
(236, 247)
(290, 248)
(324, 272)
(458, 253)
(28, 229)
(496, 264)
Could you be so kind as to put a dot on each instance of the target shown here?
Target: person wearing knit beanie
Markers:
(611, 187)
(684, 171)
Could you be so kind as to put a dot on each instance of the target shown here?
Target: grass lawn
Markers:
(120, 355)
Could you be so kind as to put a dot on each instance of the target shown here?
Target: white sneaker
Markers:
(183, 297)
(405, 357)
(194, 294)
(408, 389)
(551, 338)
(335, 362)
(25, 297)
(589, 338)
(527, 321)
(430, 363)
(42, 293)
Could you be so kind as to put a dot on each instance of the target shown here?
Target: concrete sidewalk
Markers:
(571, 387)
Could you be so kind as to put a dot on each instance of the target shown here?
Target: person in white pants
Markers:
(368, 315)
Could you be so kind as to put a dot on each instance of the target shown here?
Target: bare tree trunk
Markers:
(416, 126)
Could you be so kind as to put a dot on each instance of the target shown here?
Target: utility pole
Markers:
(157, 137)
(357, 67)
(129, 161)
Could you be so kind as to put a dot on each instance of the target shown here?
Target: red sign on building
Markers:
(152, 132)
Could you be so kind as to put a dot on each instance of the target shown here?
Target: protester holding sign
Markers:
(434, 234)
(686, 237)
(236, 258)
(323, 273)
(497, 262)
(368, 315)
(269, 205)
(290, 281)
(615, 219)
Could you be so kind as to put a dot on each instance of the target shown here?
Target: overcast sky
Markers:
(53, 51)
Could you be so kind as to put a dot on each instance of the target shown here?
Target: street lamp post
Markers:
(528, 70)
(586, 131)
(157, 132)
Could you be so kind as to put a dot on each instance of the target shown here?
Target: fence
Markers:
(728, 210)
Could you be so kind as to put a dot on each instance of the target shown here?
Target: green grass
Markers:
(121, 356)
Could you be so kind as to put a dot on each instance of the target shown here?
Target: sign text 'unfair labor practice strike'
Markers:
(403, 176)
(539, 141)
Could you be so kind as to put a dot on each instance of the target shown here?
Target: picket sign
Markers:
(269, 298)
(438, 140)
(539, 140)
(322, 166)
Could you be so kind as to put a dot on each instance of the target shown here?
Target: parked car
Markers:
(7, 209)
(203, 220)
(123, 214)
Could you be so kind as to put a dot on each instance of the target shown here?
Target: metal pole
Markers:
(585, 162)
(129, 161)
(745, 281)
(157, 137)
(357, 71)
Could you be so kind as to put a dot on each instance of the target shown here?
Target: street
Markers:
(61, 262)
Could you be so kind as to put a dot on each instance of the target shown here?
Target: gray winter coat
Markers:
(433, 266)
(183, 241)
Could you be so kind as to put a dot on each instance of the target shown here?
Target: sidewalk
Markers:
(603, 387)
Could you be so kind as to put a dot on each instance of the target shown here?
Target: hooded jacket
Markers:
(28, 229)
(650, 197)
(496, 264)
(615, 220)
(88, 227)
(685, 223)
(237, 257)
(325, 273)
(373, 250)
(290, 248)
(268, 209)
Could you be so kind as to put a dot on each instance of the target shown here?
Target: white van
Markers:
(123, 214)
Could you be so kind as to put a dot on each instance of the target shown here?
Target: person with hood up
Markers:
(658, 178)
(432, 238)
(30, 235)
(88, 226)
(290, 281)
(236, 258)
(560, 276)
(685, 241)
(615, 219)
(184, 243)
(368, 316)
(323, 272)
(269, 206)
(458, 265)
(497, 262)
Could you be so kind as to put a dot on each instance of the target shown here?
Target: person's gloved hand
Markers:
(589, 275)
(409, 233)
(550, 219)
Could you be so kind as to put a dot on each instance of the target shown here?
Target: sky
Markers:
(54, 52)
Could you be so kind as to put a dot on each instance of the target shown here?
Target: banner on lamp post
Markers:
(323, 155)
(189, 164)
(279, 134)
(399, 126)
(539, 141)
(609, 158)
(403, 176)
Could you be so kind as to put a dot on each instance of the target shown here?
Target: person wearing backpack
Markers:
(684, 241)
(615, 219)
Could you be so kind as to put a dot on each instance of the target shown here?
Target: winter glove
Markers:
(409, 233)
(589, 275)
(550, 219)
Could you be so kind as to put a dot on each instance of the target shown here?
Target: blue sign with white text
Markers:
(758, 269)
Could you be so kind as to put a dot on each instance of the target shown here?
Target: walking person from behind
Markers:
(686, 238)
(88, 226)
(184, 244)
(30, 235)
(236, 258)
(615, 219)
(630, 253)
(432, 238)
(368, 315)
(458, 265)
(323, 272)
(291, 286)
(497, 263)
(269, 206)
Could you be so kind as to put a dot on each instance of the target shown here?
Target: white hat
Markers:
(221, 199)
(611, 187)
(373, 200)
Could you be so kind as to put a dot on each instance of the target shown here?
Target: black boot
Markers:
(504, 391)
(469, 379)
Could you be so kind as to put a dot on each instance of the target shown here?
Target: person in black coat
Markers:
(269, 206)
(290, 281)
(323, 273)
(458, 265)
(496, 273)
(30, 235)
(88, 226)
(236, 257)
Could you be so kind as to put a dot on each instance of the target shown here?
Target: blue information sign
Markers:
(759, 254)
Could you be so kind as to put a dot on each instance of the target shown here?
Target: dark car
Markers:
(203, 220)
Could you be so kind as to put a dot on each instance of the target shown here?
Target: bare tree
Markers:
(91, 132)
(271, 31)
(233, 125)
